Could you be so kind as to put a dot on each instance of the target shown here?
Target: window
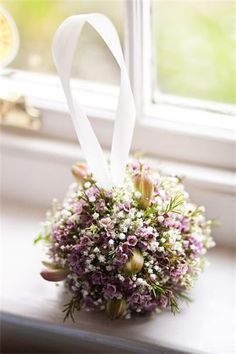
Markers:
(34, 16)
(180, 55)
(185, 103)
(194, 49)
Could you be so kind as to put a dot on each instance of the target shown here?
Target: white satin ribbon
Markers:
(63, 47)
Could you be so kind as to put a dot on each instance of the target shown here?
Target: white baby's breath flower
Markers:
(120, 215)
(121, 277)
(138, 195)
(139, 281)
(92, 198)
(140, 222)
(101, 258)
(122, 236)
(75, 218)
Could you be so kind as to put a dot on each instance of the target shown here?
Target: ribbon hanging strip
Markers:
(63, 48)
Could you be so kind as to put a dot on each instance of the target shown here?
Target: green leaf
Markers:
(196, 212)
(70, 308)
(173, 305)
(183, 296)
(38, 239)
(215, 222)
(174, 203)
(157, 289)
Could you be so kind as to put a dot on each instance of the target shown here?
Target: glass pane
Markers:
(195, 48)
(37, 21)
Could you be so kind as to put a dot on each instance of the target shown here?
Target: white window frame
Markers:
(164, 130)
(204, 135)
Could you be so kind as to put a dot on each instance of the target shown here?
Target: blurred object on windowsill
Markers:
(9, 38)
(16, 112)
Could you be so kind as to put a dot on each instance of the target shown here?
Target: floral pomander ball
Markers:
(133, 249)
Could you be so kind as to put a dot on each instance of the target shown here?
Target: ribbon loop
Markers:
(64, 45)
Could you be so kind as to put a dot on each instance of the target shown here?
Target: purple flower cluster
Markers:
(133, 249)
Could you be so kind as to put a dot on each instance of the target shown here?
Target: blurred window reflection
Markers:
(194, 45)
(37, 21)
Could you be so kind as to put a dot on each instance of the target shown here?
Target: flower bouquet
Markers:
(126, 239)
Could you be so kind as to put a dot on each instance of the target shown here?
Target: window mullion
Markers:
(147, 52)
(134, 51)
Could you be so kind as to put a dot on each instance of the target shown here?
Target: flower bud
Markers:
(144, 184)
(54, 274)
(50, 265)
(116, 308)
(79, 171)
(135, 263)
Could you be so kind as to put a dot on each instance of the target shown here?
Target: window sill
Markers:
(44, 158)
(169, 132)
(30, 304)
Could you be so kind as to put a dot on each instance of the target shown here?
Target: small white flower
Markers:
(153, 277)
(132, 213)
(154, 245)
(149, 229)
(140, 281)
(137, 194)
(122, 236)
(111, 242)
(92, 198)
(121, 277)
(120, 214)
(140, 222)
(101, 258)
(108, 268)
(96, 250)
(127, 222)
(95, 216)
(87, 185)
